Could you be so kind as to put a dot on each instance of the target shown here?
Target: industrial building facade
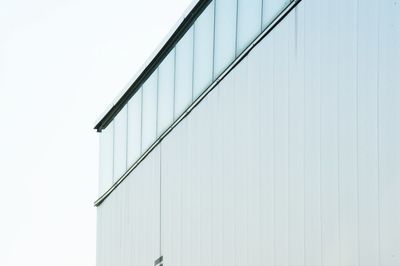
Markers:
(260, 132)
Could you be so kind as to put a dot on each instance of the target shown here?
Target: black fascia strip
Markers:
(286, 11)
(187, 22)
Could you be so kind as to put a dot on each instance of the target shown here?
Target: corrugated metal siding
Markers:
(129, 220)
(294, 159)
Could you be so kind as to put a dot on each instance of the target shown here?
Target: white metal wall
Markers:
(294, 159)
(128, 222)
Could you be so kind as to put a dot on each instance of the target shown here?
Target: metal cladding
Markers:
(291, 159)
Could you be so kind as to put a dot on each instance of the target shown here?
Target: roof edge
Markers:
(183, 24)
(282, 15)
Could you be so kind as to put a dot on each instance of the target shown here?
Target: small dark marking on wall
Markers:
(158, 261)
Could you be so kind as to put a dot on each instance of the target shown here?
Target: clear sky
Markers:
(62, 62)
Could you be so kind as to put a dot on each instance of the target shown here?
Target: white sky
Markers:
(61, 64)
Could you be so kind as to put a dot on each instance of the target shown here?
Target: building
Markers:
(261, 132)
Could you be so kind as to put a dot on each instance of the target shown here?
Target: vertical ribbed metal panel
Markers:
(347, 132)
(129, 220)
(329, 145)
(296, 137)
(312, 187)
(293, 159)
(368, 179)
(389, 131)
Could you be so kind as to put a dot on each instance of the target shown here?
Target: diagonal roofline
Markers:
(282, 15)
(190, 15)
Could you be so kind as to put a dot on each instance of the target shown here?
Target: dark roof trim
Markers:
(263, 34)
(154, 63)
